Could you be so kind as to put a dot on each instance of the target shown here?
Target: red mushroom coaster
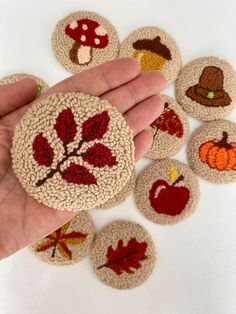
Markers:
(170, 130)
(167, 191)
(212, 151)
(68, 244)
(73, 151)
(83, 40)
(123, 255)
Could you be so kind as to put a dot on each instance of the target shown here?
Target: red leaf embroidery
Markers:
(78, 174)
(43, 152)
(95, 127)
(125, 258)
(99, 156)
(65, 126)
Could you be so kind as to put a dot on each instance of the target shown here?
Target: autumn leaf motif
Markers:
(99, 156)
(78, 174)
(65, 126)
(43, 152)
(59, 240)
(125, 259)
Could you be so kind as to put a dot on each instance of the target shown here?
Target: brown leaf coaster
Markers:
(155, 50)
(68, 244)
(42, 86)
(169, 130)
(73, 151)
(206, 88)
(167, 191)
(212, 151)
(83, 40)
(123, 255)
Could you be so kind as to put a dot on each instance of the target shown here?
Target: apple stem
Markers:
(180, 178)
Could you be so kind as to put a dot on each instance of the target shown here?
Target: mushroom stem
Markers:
(80, 54)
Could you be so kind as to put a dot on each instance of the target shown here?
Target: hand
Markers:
(22, 219)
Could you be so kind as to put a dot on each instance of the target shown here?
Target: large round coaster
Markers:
(68, 244)
(206, 88)
(167, 191)
(73, 151)
(13, 78)
(83, 40)
(123, 255)
(122, 195)
(155, 50)
(212, 151)
(170, 130)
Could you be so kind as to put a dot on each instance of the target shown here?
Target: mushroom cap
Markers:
(87, 33)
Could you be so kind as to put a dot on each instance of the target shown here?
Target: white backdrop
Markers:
(196, 269)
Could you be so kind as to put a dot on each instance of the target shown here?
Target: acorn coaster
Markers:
(206, 88)
(212, 151)
(68, 244)
(123, 255)
(42, 86)
(83, 40)
(170, 130)
(73, 151)
(155, 50)
(122, 195)
(167, 191)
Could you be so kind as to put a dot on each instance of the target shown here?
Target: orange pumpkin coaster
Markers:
(155, 50)
(83, 40)
(206, 88)
(123, 255)
(167, 191)
(212, 151)
(170, 130)
(68, 244)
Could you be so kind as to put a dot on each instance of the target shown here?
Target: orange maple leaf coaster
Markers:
(170, 130)
(206, 88)
(68, 244)
(123, 255)
(212, 151)
(167, 191)
(83, 40)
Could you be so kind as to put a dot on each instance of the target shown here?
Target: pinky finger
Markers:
(142, 142)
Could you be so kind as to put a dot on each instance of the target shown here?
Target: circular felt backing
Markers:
(122, 195)
(13, 78)
(170, 130)
(167, 191)
(206, 88)
(123, 255)
(155, 50)
(83, 40)
(68, 244)
(73, 151)
(212, 151)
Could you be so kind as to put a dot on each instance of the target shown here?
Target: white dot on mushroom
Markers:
(83, 38)
(97, 41)
(84, 27)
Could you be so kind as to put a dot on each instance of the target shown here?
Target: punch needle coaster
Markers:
(155, 50)
(73, 151)
(169, 130)
(206, 88)
(167, 191)
(212, 151)
(83, 40)
(42, 86)
(123, 255)
(68, 244)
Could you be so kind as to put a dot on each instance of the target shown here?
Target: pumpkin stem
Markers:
(223, 142)
(166, 105)
(180, 178)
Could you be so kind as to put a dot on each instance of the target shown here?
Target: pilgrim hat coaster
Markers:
(68, 244)
(170, 130)
(72, 151)
(123, 255)
(212, 151)
(83, 40)
(155, 50)
(167, 191)
(206, 88)
(13, 78)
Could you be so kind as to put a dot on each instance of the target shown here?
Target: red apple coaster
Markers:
(73, 151)
(123, 255)
(167, 191)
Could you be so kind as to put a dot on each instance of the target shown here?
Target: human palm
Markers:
(22, 219)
